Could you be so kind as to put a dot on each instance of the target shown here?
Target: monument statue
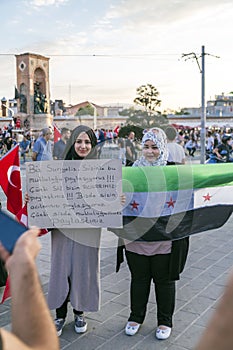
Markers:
(40, 101)
(23, 103)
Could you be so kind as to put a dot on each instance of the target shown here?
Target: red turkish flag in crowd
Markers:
(57, 134)
(7, 291)
(116, 130)
(22, 216)
(10, 179)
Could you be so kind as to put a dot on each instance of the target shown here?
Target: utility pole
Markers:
(203, 108)
(11, 110)
(70, 94)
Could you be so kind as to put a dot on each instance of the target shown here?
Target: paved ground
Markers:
(209, 262)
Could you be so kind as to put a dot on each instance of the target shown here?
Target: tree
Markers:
(147, 96)
(87, 110)
(125, 130)
(181, 112)
(144, 119)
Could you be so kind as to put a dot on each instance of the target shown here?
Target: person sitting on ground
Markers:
(224, 149)
(32, 325)
(8, 140)
(24, 147)
(2, 146)
(191, 146)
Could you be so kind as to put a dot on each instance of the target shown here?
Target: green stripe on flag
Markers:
(173, 178)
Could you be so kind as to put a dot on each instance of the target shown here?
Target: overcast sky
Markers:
(103, 50)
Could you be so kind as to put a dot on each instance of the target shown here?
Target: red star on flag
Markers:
(207, 197)
(171, 203)
(134, 205)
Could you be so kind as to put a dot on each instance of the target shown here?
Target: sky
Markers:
(102, 51)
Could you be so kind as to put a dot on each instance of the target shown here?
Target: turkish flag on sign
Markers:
(10, 179)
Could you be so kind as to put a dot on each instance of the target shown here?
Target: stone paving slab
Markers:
(198, 292)
(209, 263)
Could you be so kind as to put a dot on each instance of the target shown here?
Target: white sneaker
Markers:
(163, 333)
(130, 329)
(80, 324)
(59, 324)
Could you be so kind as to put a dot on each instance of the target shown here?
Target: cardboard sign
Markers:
(74, 193)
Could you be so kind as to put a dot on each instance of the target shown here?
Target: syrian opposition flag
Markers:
(172, 202)
(57, 134)
(10, 179)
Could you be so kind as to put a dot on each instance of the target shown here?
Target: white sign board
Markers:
(74, 193)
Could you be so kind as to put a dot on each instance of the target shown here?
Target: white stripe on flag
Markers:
(213, 196)
(156, 204)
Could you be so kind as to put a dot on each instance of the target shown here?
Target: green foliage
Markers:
(147, 96)
(144, 119)
(88, 110)
(125, 130)
(181, 112)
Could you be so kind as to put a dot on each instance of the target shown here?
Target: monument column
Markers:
(3, 106)
(33, 93)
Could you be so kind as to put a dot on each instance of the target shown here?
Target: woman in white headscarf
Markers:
(161, 262)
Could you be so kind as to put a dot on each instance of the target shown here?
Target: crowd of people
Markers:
(129, 148)
(10, 136)
(75, 253)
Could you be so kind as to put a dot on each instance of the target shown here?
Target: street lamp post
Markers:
(12, 113)
(3, 101)
(5, 107)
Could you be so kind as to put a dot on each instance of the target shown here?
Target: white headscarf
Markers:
(157, 136)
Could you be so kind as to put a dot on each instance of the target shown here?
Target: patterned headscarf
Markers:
(157, 136)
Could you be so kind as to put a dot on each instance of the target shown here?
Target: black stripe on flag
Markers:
(176, 226)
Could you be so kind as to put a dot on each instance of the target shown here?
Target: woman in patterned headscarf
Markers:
(154, 139)
(161, 262)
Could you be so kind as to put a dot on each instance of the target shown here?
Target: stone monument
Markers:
(32, 91)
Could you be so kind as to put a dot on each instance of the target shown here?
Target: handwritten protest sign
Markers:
(75, 193)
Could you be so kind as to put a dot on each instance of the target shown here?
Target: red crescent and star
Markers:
(10, 171)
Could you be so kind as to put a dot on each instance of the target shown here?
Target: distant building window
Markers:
(22, 66)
